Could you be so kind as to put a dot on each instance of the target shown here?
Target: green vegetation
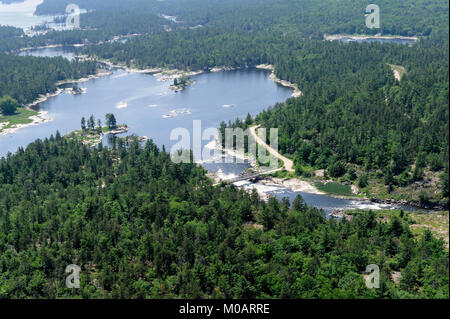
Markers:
(22, 116)
(141, 226)
(8, 105)
(306, 17)
(181, 83)
(353, 112)
(92, 134)
(25, 78)
(111, 121)
(419, 222)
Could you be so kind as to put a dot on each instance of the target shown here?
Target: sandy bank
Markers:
(39, 118)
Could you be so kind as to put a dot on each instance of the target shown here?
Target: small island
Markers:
(92, 132)
(179, 84)
(76, 90)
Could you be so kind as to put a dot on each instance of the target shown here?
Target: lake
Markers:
(65, 52)
(21, 14)
(150, 108)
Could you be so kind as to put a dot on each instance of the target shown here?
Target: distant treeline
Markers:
(25, 78)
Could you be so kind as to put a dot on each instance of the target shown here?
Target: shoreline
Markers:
(42, 116)
(273, 77)
(39, 118)
(294, 184)
(165, 74)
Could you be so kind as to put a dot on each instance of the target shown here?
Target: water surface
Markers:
(150, 108)
(21, 14)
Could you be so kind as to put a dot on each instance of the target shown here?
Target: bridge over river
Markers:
(250, 176)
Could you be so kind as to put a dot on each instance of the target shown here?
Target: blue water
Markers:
(148, 100)
(215, 97)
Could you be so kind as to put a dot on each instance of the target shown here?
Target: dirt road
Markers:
(288, 164)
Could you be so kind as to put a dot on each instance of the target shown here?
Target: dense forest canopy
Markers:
(25, 78)
(305, 17)
(140, 226)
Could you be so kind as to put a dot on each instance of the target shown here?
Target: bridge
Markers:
(245, 177)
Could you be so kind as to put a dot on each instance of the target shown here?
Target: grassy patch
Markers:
(335, 188)
(419, 221)
(401, 70)
(437, 223)
(22, 116)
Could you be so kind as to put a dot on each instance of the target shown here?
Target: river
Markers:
(150, 108)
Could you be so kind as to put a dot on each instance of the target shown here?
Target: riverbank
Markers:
(98, 74)
(291, 183)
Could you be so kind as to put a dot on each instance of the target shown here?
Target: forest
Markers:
(304, 17)
(353, 112)
(140, 226)
(25, 78)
